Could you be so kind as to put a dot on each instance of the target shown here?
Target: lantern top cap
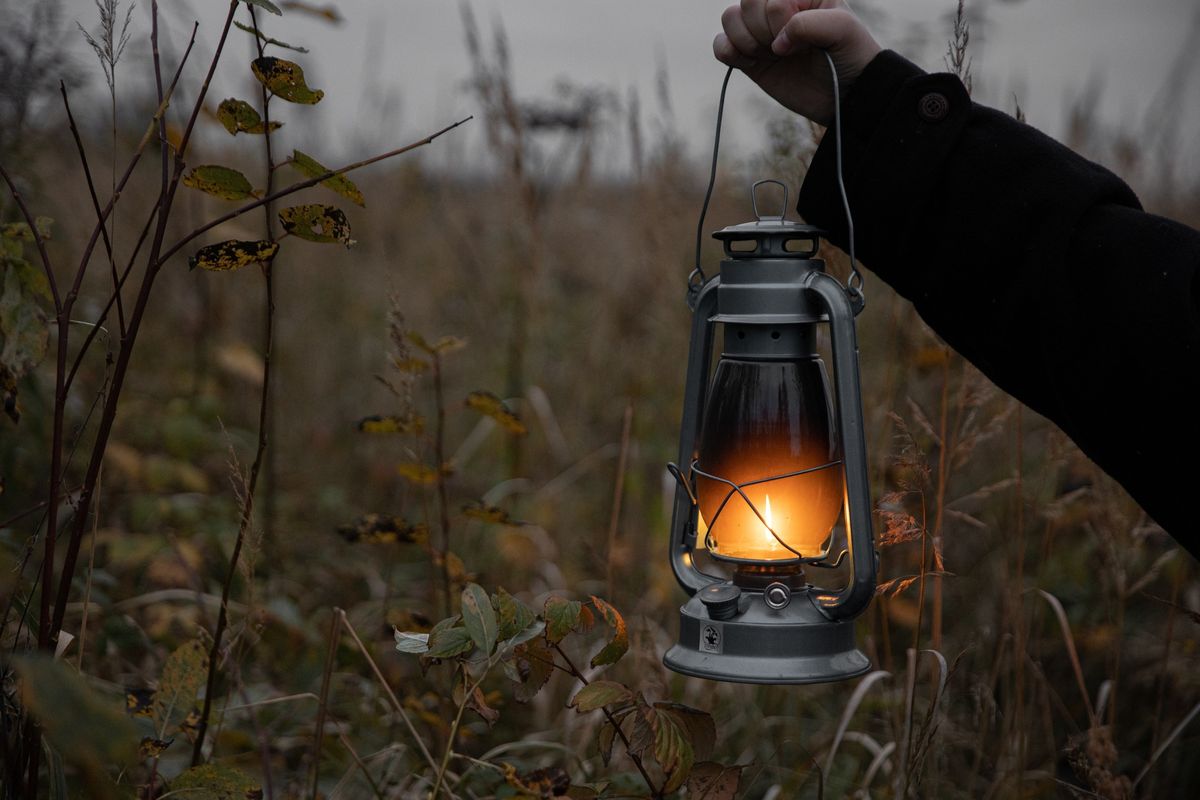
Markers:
(771, 233)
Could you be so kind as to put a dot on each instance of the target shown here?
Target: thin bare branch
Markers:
(295, 187)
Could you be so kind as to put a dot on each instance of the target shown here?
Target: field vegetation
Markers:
(389, 520)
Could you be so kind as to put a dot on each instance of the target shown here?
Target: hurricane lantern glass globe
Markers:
(768, 431)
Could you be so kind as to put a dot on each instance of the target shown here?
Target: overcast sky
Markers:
(395, 68)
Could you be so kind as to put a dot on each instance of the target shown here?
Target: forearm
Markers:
(1036, 264)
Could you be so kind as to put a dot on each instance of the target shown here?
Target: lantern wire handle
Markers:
(854, 283)
(697, 278)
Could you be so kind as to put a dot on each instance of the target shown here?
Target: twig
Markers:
(335, 625)
(295, 187)
(614, 518)
(468, 693)
(443, 500)
(655, 791)
(87, 174)
(383, 682)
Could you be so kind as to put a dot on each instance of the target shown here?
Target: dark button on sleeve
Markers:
(933, 107)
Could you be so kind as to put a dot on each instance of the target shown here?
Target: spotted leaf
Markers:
(238, 116)
(232, 254)
(409, 423)
(285, 79)
(218, 181)
(485, 513)
(317, 223)
(338, 183)
(384, 529)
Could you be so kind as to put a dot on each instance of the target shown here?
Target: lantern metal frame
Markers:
(737, 633)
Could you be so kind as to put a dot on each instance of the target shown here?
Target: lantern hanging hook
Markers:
(854, 283)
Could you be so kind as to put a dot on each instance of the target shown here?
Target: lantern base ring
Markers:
(758, 644)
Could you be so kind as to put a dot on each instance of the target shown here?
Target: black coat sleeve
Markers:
(1037, 265)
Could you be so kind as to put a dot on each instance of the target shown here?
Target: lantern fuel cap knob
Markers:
(720, 600)
(777, 595)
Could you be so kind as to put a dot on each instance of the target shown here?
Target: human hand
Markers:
(779, 44)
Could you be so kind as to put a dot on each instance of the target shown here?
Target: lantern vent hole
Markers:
(774, 334)
(743, 245)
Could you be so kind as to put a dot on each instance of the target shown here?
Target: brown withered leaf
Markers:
(223, 182)
(619, 644)
(319, 223)
(409, 423)
(698, 725)
(232, 254)
(547, 782)
(153, 748)
(285, 79)
(238, 116)
(384, 529)
(478, 702)
(492, 406)
(535, 664)
(477, 509)
(712, 781)
(338, 183)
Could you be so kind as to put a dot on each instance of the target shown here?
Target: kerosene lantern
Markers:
(772, 471)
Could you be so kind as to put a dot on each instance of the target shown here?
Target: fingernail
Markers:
(782, 44)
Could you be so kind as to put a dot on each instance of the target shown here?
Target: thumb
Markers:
(822, 28)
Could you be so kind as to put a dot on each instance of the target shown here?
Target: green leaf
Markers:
(619, 644)
(562, 616)
(33, 280)
(673, 751)
(232, 254)
(600, 694)
(86, 729)
(238, 116)
(417, 643)
(512, 615)
(449, 642)
(215, 782)
(264, 4)
(222, 182)
(338, 183)
(492, 406)
(285, 79)
(20, 231)
(24, 328)
(317, 223)
(184, 673)
(699, 725)
(479, 617)
(268, 40)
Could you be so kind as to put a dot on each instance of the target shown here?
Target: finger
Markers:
(754, 15)
(824, 29)
(780, 11)
(729, 55)
(739, 35)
